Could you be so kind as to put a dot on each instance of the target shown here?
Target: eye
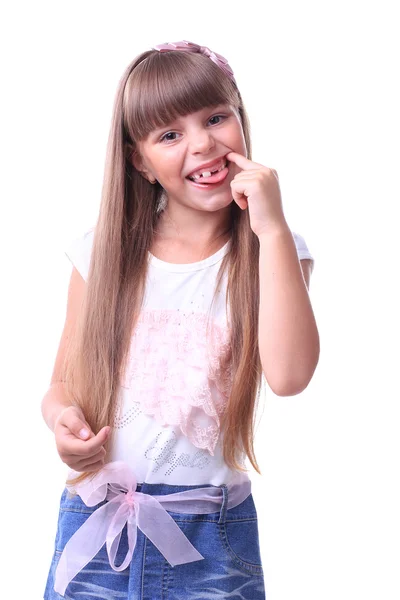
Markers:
(220, 117)
(167, 136)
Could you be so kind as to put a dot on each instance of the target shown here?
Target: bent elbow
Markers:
(289, 390)
(289, 387)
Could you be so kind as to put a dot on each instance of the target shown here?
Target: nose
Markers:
(201, 141)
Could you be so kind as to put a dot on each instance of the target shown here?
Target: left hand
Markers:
(257, 188)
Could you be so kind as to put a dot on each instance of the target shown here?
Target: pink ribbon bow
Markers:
(117, 483)
(191, 47)
(107, 522)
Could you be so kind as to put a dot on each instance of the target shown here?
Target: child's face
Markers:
(171, 153)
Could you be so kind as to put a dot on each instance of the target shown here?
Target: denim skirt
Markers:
(227, 539)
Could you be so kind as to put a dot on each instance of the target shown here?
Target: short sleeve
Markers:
(79, 252)
(302, 248)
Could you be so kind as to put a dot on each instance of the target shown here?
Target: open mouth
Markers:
(207, 173)
(209, 176)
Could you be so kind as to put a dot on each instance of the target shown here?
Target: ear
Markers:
(139, 165)
(136, 160)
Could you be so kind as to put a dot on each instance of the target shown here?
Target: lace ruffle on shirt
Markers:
(176, 375)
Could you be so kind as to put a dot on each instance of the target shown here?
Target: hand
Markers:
(77, 445)
(257, 188)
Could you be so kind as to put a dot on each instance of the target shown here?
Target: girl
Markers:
(188, 291)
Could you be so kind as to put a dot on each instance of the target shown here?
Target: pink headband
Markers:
(185, 46)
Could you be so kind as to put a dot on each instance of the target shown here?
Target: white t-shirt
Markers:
(173, 392)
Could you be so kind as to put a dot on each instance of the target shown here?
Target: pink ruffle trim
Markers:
(175, 377)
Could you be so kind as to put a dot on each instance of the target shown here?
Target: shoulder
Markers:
(79, 251)
(301, 245)
(305, 257)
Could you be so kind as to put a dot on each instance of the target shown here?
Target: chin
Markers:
(213, 202)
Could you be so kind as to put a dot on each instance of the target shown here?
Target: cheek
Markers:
(236, 140)
(168, 168)
(168, 175)
(242, 143)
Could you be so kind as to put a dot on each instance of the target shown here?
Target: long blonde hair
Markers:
(155, 89)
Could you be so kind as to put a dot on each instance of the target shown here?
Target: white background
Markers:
(319, 82)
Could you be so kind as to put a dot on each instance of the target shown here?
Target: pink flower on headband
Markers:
(185, 46)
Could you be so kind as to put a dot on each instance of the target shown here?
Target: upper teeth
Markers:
(208, 173)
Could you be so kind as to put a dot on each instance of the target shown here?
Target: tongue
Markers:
(214, 178)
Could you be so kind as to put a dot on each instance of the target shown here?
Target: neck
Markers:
(194, 229)
(183, 242)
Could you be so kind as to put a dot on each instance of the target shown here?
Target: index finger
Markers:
(241, 161)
